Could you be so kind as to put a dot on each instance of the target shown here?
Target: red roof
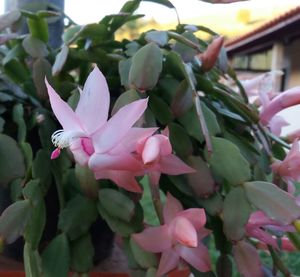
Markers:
(266, 28)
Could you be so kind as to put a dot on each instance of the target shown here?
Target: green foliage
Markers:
(200, 111)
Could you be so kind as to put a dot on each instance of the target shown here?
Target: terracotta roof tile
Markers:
(279, 21)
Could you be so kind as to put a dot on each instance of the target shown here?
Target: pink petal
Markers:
(87, 145)
(154, 177)
(118, 126)
(151, 150)
(262, 236)
(165, 145)
(63, 112)
(276, 124)
(184, 232)
(169, 260)
(247, 260)
(154, 239)
(260, 219)
(197, 257)
(172, 208)
(294, 150)
(287, 245)
(93, 105)
(196, 216)
(172, 165)
(123, 179)
(284, 100)
(123, 161)
(166, 132)
(134, 135)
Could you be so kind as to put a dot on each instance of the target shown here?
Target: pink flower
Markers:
(155, 155)
(289, 167)
(179, 237)
(259, 224)
(87, 131)
(262, 85)
(284, 100)
(123, 178)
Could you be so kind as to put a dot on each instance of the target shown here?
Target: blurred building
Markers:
(273, 45)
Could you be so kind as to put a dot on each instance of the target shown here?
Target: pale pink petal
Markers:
(123, 161)
(118, 126)
(136, 134)
(172, 165)
(197, 257)
(172, 208)
(247, 260)
(151, 150)
(284, 100)
(169, 260)
(196, 216)
(80, 155)
(154, 239)
(63, 112)
(93, 105)
(276, 124)
(123, 179)
(184, 232)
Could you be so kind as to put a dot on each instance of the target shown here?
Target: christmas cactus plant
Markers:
(156, 136)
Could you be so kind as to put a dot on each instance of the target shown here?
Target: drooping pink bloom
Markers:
(210, 55)
(259, 224)
(262, 85)
(284, 100)
(276, 124)
(289, 167)
(155, 155)
(179, 237)
(88, 132)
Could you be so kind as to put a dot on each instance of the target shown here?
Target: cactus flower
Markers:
(155, 155)
(258, 226)
(289, 167)
(284, 100)
(88, 132)
(179, 237)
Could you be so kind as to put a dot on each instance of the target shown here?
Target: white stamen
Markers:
(62, 139)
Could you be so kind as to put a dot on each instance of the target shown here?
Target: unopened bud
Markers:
(210, 56)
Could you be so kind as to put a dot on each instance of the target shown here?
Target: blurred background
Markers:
(261, 35)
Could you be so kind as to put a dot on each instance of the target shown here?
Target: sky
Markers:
(88, 11)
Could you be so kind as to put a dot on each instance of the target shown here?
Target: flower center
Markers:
(62, 139)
